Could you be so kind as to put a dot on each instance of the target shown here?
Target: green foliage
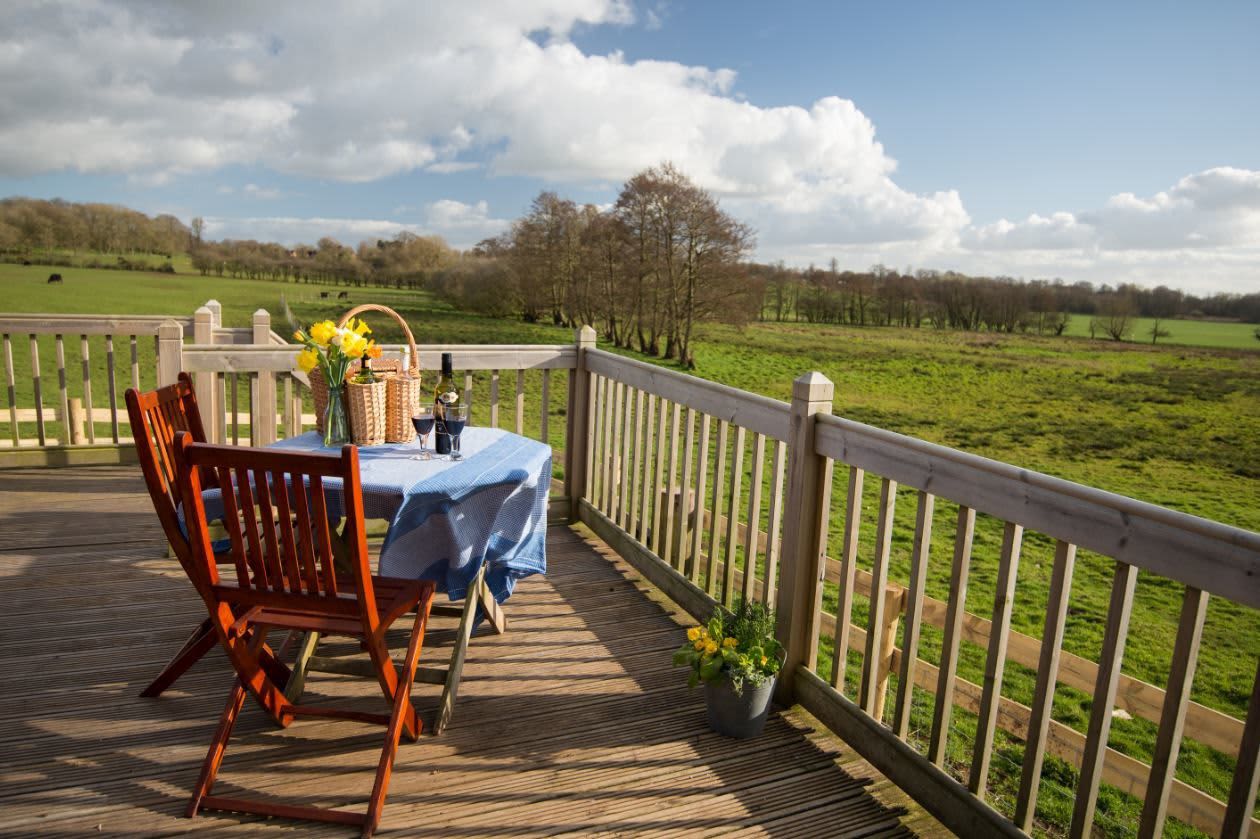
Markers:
(737, 646)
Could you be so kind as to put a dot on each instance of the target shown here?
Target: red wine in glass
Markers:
(423, 424)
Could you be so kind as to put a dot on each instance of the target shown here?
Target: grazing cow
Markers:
(344, 295)
(323, 295)
(54, 278)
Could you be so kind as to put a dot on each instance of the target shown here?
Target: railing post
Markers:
(262, 419)
(578, 423)
(799, 601)
(205, 382)
(216, 311)
(170, 352)
(74, 421)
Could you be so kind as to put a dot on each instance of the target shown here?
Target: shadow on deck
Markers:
(572, 722)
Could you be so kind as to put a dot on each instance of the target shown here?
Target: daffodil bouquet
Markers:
(331, 348)
(739, 646)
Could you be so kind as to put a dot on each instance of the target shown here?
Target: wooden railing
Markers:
(714, 493)
(750, 509)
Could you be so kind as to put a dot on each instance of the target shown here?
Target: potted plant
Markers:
(738, 659)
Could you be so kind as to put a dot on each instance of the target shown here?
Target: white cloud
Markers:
(395, 87)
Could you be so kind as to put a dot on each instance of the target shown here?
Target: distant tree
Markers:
(1116, 315)
(1156, 332)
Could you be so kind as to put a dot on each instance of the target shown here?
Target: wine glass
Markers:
(456, 419)
(423, 420)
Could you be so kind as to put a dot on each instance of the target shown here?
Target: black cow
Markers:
(344, 295)
(323, 295)
(54, 278)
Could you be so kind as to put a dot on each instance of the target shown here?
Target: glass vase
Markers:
(336, 424)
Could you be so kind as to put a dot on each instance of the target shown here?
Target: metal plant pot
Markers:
(738, 715)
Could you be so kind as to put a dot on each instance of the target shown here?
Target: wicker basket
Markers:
(385, 412)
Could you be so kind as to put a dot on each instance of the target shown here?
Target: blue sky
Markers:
(1101, 141)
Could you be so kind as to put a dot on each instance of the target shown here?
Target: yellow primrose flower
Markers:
(693, 634)
(763, 661)
(728, 643)
(699, 645)
(323, 332)
(307, 360)
(373, 350)
(362, 328)
(710, 646)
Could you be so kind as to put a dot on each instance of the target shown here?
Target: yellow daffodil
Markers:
(362, 328)
(323, 332)
(693, 634)
(299, 336)
(729, 643)
(764, 660)
(710, 646)
(307, 360)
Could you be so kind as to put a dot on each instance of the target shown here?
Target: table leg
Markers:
(297, 678)
(451, 690)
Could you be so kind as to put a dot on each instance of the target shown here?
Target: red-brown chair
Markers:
(156, 417)
(276, 517)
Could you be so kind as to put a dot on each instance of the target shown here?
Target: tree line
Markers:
(39, 229)
(883, 296)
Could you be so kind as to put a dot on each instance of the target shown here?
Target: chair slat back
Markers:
(276, 513)
(156, 417)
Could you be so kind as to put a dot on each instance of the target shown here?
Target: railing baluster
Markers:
(135, 361)
(686, 563)
(773, 539)
(520, 404)
(732, 518)
(1047, 674)
(544, 432)
(1176, 698)
(87, 388)
(596, 472)
(995, 661)
(494, 398)
(1118, 612)
(236, 424)
(751, 540)
(605, 444)
(613, 500)
(702, 474)
(658, 476)
(10, 378)
(113, 388)
(286, 407)
(914, 612)
(67, 436)
(848, 570)
(468, 396)
(627, 418)
(221, 408)
(636, 475)
(645, 509)
(592, 434)
(955, 611)
(39, 398)
(1242, 792)
(715, 529)
(867, 693)
(667, 497)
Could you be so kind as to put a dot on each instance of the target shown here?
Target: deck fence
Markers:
(714, 493)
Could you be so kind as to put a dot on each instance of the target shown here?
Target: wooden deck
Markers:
(573, 722)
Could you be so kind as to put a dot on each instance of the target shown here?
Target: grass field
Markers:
(1191, 333)
(1173, 425)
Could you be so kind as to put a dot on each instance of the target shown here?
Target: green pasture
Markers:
(1189, 333)
(1173, 425)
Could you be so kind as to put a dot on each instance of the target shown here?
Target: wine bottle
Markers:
(365, 376)
(445, 394)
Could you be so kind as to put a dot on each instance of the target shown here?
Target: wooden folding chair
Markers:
(276, 517)
(156, 417)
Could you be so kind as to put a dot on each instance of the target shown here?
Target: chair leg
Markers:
(403, 717)
(218, 746)
(198, 644)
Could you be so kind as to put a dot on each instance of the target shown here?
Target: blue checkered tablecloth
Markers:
(448, 518)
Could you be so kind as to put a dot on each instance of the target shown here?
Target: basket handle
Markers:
(376, 307)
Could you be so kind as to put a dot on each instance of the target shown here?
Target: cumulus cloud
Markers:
(397, 87)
